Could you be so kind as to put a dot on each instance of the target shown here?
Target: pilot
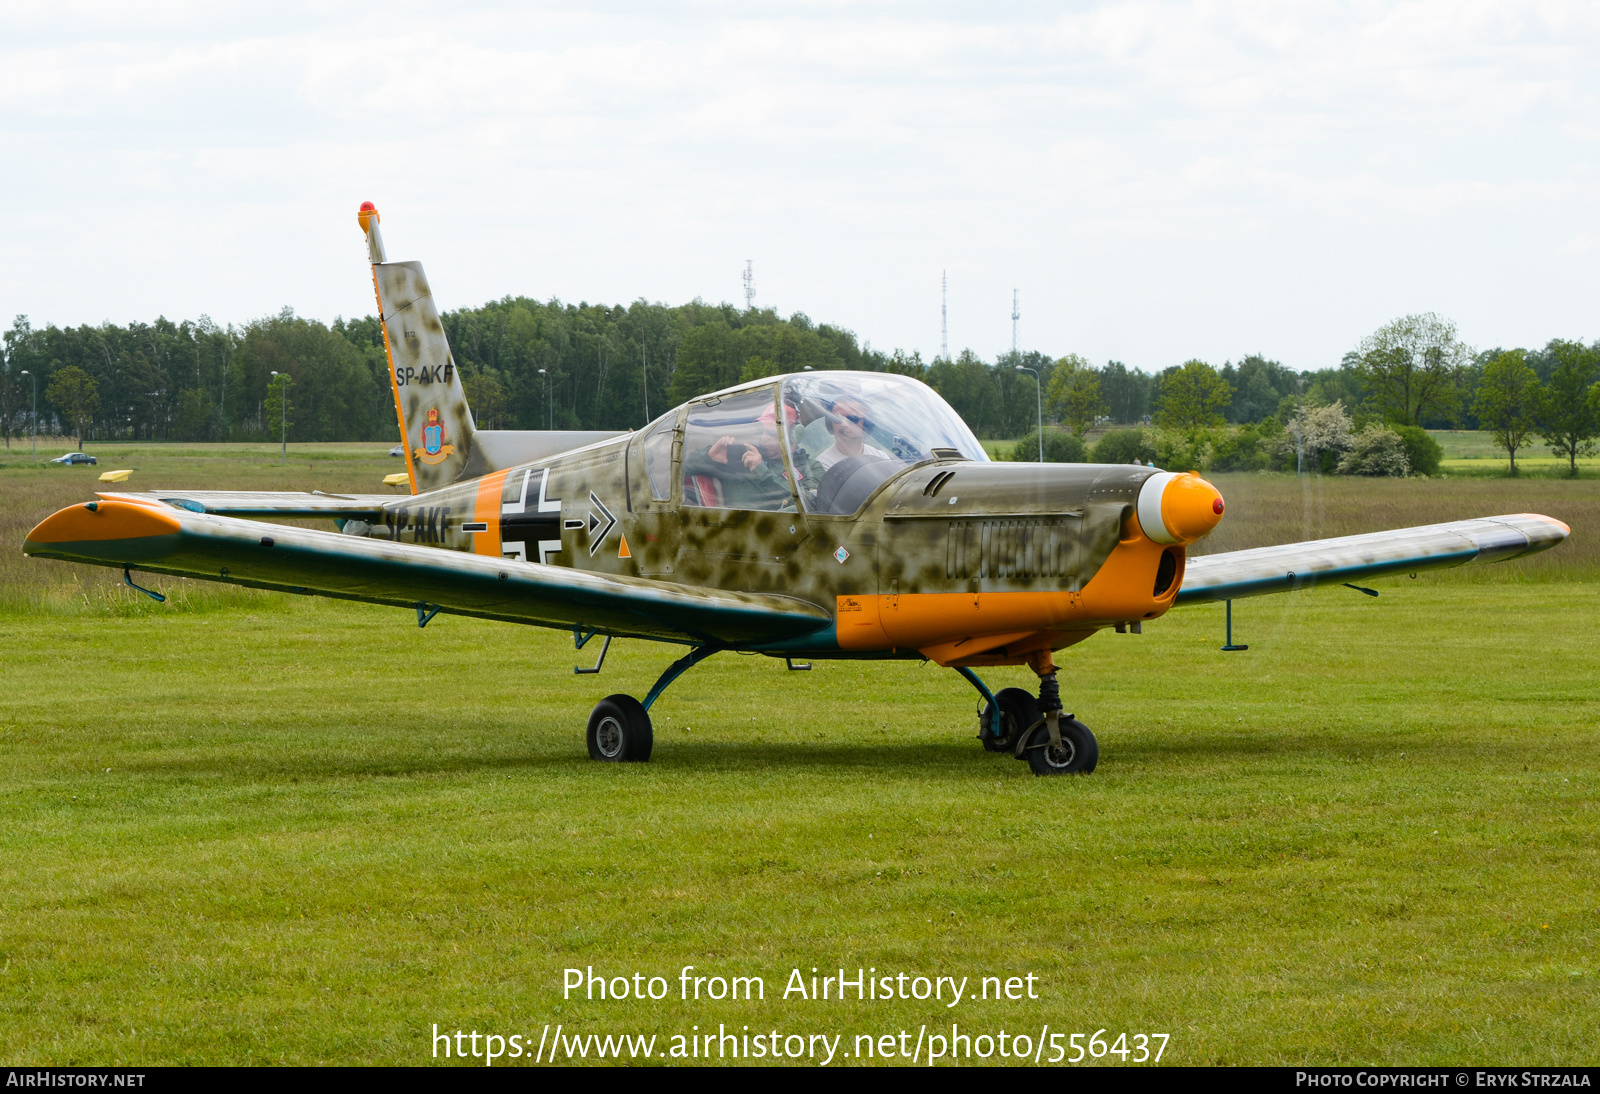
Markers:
(848, 422)
(752, 476)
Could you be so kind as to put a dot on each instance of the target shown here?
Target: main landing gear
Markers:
(1036, 729)
(619, 726)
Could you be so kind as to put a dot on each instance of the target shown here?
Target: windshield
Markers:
(850, 431)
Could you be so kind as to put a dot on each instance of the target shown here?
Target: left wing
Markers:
(1278, 569)
(163, 539)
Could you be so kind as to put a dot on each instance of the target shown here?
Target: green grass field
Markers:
(251, 828)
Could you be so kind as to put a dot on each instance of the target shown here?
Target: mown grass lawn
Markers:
(306, 832)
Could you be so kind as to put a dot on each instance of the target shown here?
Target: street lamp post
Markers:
(283, 415)
(35, 381)
(1299, 427)
(1040, 388)
(549, 399)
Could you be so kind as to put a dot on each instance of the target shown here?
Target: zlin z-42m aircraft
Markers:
(821, 515)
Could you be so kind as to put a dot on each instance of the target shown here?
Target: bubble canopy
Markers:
(848, 432)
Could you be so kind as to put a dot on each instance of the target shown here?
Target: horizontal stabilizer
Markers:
(166, 540)
(498, 449)
(1278, 569)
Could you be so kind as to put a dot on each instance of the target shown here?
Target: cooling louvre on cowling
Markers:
(1014, 549)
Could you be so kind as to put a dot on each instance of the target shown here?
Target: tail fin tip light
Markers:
(367, 214)
(1176, 508)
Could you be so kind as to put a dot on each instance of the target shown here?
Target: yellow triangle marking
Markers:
(624, 553)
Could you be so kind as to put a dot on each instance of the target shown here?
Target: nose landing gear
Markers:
(1058, 744)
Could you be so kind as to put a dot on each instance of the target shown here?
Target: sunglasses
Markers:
(860, 420)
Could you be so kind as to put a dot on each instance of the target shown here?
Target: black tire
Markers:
(1018, 711)
(620, 731)
(1078, 754)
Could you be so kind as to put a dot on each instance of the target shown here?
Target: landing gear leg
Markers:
(619, 726)
(1057, 744)
(1004, 715)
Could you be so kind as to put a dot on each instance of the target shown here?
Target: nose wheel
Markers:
(1076, 753)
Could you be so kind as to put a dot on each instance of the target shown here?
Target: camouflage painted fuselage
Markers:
(961, 561)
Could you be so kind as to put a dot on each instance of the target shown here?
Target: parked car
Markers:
(75, 457)
(398, 450)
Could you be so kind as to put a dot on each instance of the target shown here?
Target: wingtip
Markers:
(99, 522)
(1542, 524)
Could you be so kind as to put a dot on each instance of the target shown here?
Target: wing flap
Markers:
(1263, 570)
(169, 540)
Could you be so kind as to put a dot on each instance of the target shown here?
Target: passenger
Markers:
(849, 423)
(751, 476)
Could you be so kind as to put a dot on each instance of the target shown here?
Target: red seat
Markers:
(702, 490)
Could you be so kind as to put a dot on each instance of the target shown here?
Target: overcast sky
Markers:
(1160, 181)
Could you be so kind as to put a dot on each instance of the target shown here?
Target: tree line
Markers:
(529, 364)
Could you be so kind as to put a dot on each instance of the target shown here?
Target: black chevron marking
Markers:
(599, 515)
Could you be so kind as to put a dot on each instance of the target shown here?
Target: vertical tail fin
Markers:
(436, 426)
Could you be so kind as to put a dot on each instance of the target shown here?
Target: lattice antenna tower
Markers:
(749, 284)
(1015, 316)
(944, 315)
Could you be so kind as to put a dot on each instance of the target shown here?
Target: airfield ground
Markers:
(251, 828)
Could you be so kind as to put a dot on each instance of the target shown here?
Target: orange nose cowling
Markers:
(1190, 507)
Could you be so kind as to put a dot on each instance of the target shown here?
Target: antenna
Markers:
(749, 284)
(944, 315)
(1015, 315)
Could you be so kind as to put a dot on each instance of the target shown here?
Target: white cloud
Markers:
(1160, 180)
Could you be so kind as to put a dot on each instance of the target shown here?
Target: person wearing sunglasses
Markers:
(850, 424)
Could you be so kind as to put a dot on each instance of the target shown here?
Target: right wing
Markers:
(1289, 566)
(285, 504)
(161, 539)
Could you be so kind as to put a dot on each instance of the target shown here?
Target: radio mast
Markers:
(749, 284)
(944, 315)
(1015, 315)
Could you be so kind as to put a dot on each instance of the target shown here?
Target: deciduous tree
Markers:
(1074, 394)
(1413, 365)
(75, 394)
(1508, 402)
(487, 397)
(1127, 392)
(1569, 416)
(1193, 397)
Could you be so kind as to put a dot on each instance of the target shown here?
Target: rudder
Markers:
(436, 426)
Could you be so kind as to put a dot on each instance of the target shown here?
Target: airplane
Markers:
(811, 516)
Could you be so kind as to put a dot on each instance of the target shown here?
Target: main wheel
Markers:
(619, 730)
(1078, 754)
(1018, 711)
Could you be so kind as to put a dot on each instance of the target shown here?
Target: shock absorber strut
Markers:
(1049, 694)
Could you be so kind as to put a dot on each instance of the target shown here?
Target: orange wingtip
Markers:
(103, 520)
